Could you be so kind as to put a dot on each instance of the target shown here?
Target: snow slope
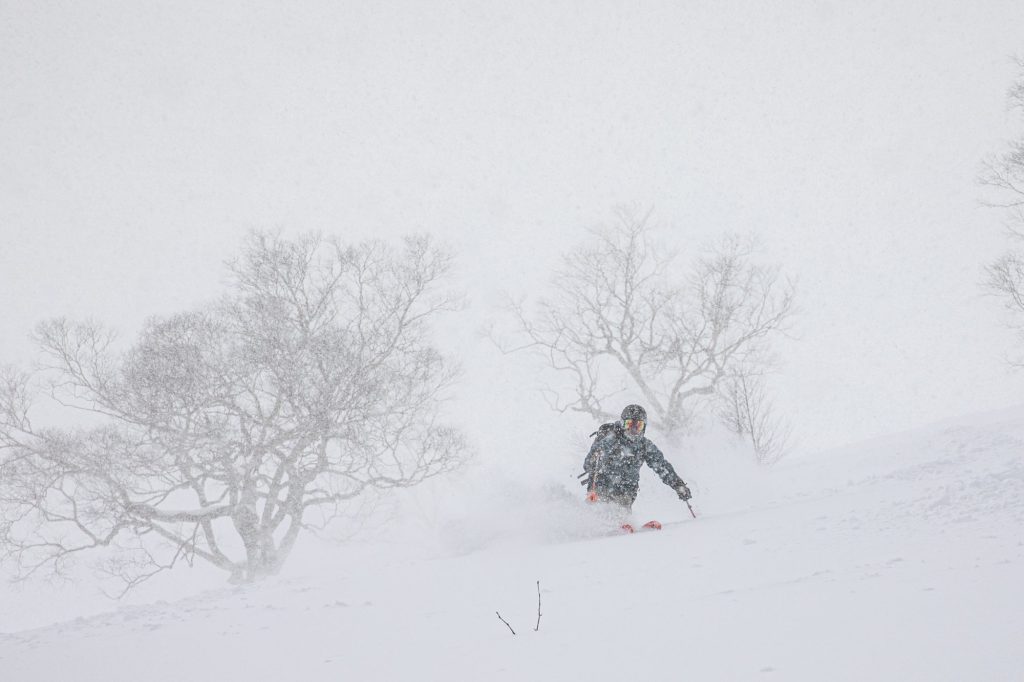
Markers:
(896, 559)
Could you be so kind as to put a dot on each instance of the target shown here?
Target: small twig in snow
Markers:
(537, 627)
(506, 623)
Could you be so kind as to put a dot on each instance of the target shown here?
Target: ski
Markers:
(650, 525)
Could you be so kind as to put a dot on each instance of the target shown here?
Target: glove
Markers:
(683, 491)
(592, 496)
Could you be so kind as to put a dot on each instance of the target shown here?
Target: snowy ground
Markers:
(897, 559)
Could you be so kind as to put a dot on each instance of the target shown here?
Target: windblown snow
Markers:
(895, 559)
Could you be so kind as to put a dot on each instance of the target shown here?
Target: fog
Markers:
(141, 142)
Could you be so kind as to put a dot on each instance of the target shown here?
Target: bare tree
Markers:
(1005, 172)
(223, 433)
(622, 319)
(747, 410)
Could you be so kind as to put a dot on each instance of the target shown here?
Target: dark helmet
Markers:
(634, 412)
(634, 421)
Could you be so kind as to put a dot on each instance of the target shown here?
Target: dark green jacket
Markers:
(613, 467)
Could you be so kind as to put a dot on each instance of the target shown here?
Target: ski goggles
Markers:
(634, 424)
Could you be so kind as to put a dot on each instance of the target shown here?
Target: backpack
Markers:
(605, 429)
(602, 432)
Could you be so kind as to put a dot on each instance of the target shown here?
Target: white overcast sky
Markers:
(141, 140)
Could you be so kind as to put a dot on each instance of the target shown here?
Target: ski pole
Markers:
(690, 508)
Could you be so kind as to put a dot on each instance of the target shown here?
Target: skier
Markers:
(612, 467)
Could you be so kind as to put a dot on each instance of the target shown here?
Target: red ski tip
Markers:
(628, 528)
(653, 524)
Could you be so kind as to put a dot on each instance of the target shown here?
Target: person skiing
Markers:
(612, 467)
